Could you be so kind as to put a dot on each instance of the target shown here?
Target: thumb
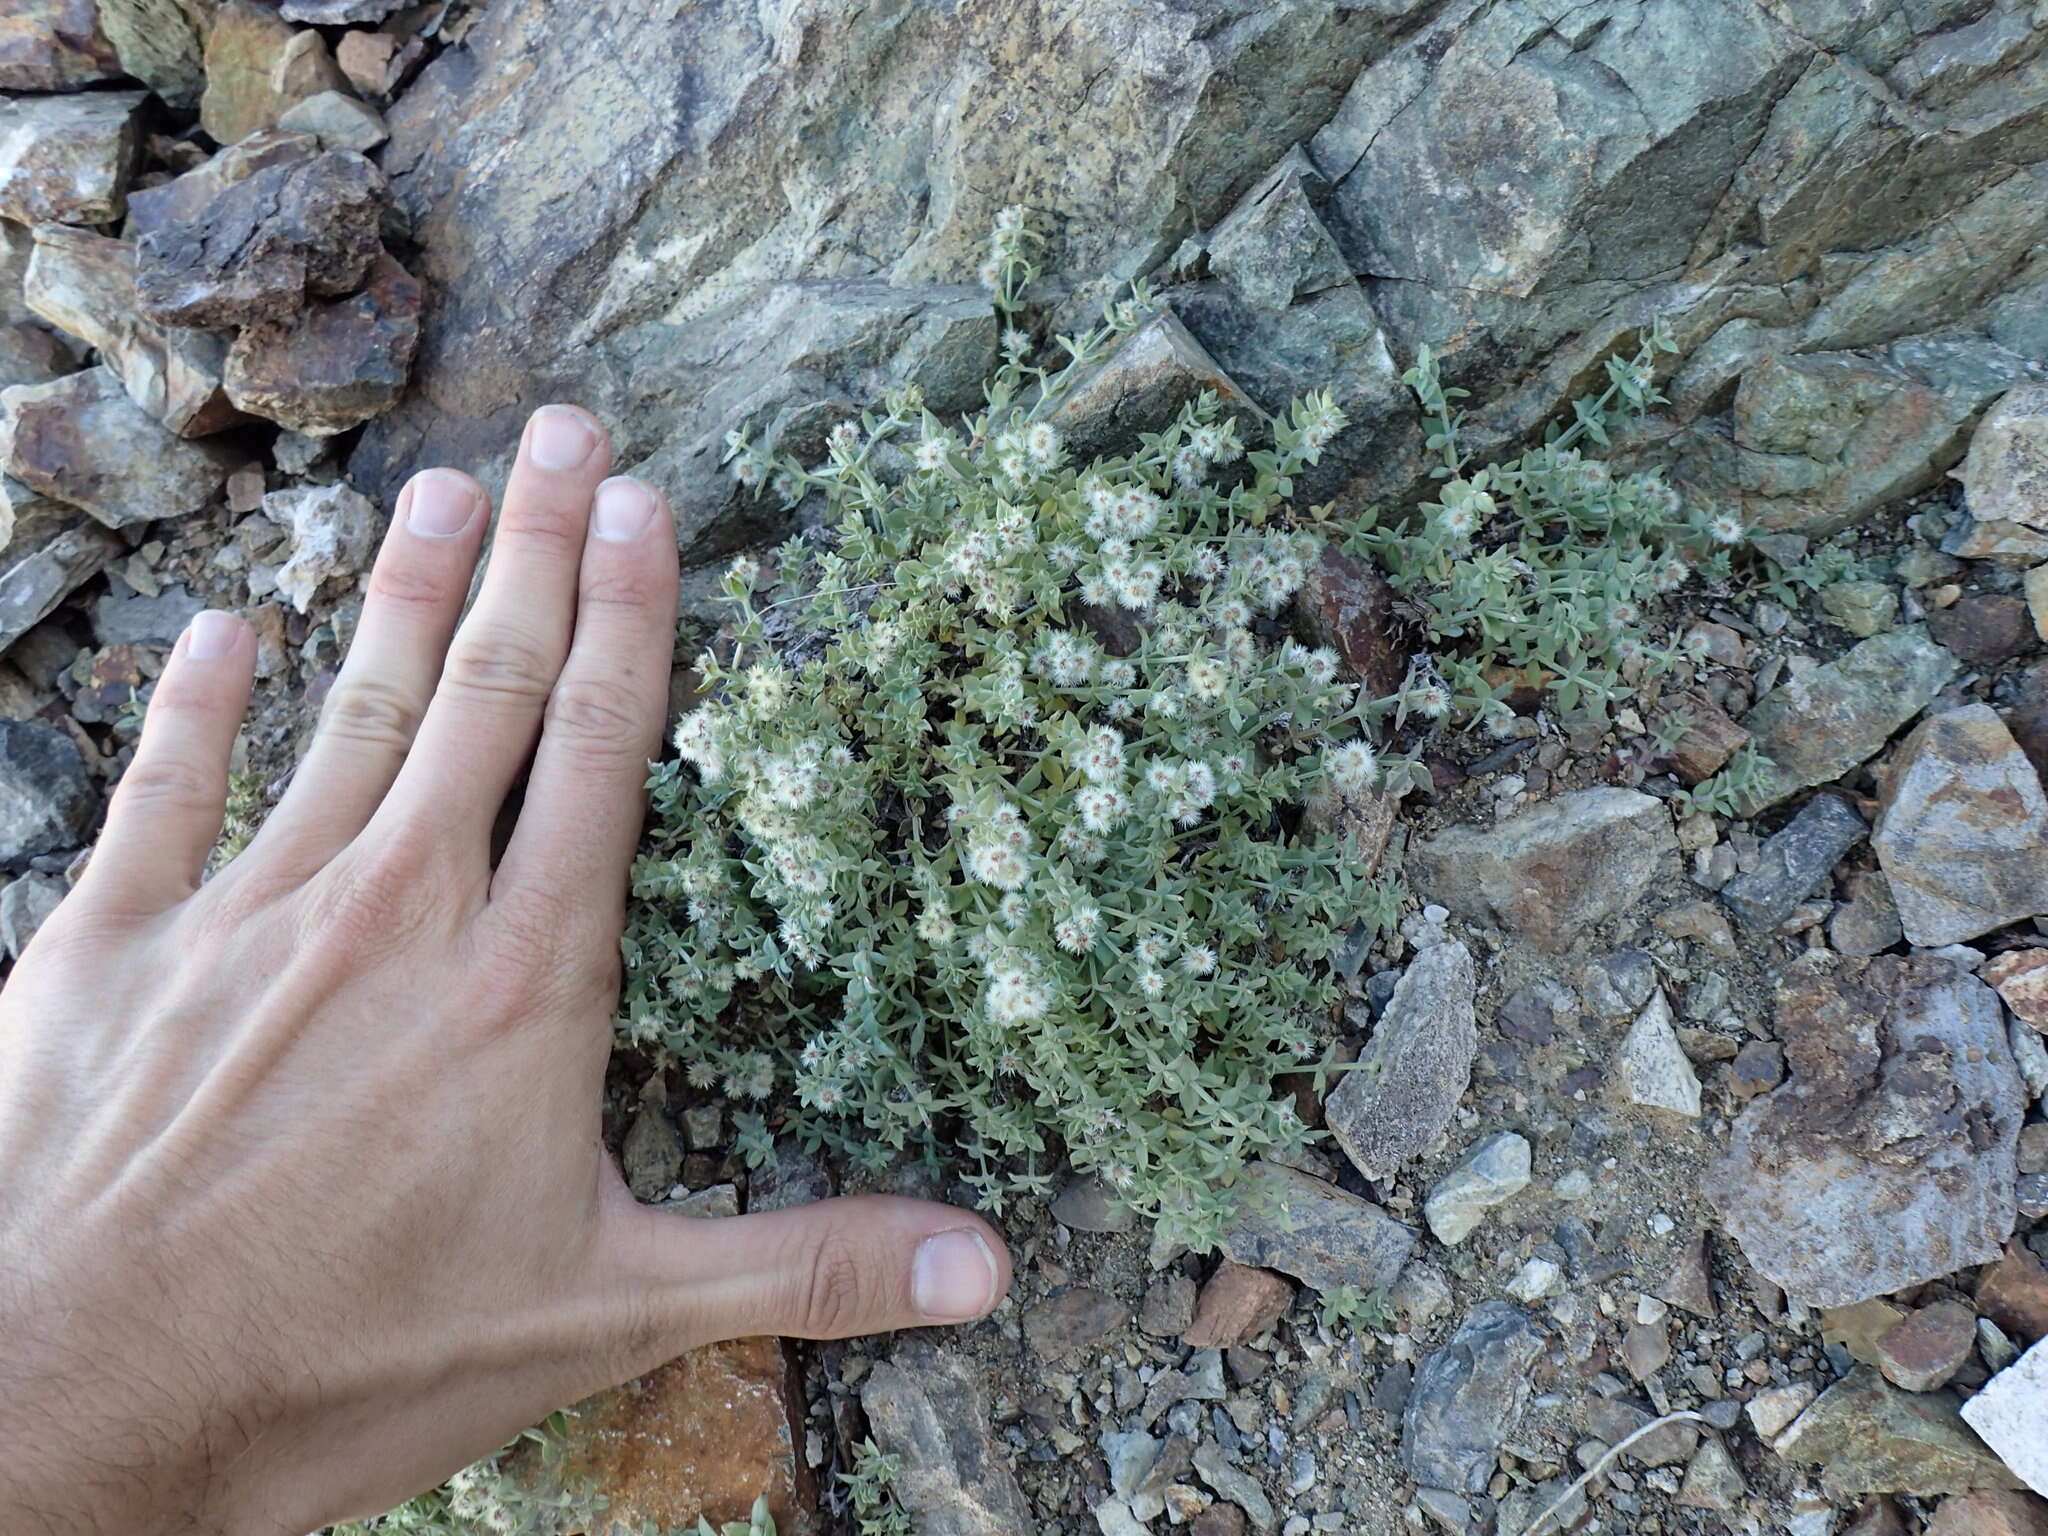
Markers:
(831, 1270)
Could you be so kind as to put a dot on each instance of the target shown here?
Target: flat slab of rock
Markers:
(184, 198)
(1492, 1172)
(82, 441)
(1816, 726)
(1399, 1098)
(266, 244)
(1467, 1398)
(50, 554)
(924, 1405)
(1963, 836)
(1989, 1514)
(2011, 1413)
(1551, 872)
(68, 158)
(2020, 976)
(54, 45)
(1316, 1232)
(2005, 473)
(1794, 861)
(335, 365)
(1888, 1158)
(1141, 385)
(1237, 1304)
(1870, 1437)
(1076, 1319)
(84, 284)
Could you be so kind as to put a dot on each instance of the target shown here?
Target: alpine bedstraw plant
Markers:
(991, 836)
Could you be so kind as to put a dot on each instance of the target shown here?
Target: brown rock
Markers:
(1990, 1514)
(700, 1437)
(1867, 920)
(2013, 1293)
(2020, 976)
(1238, 1303)
(1348, 606)
(1877, 1515)
(1710, 739)
(1926, 1348)
(377, 63)
(1073, 1320)
(257, 65)
(31, 353)
(1857, 1328)
(335, 365)
(68, 159)
(1985, 629)
(84, 283)
(1691, 1282)
(1759, 1067)
(54, 45)
(1219, 1519)
(259, 249)
(185, 198)
(81, 440)
(2028, 720)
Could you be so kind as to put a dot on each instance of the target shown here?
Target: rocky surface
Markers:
(925, 1406)
(334, 365)
(67, 158)
(2011, 1413)
(81, 440)
(1407, 1084)
(1315, 1232)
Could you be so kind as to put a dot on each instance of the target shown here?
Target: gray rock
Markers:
(1712, 1480)
(718, 1200)
(25, 905)
(1618, 985)
(1794, 861)
(1867, 922)
(1493, 1171)
(925, 1406)
(1401, 1096)
(2000, 543)
(1551, 872)
(162, 43)
(791, 1177)
(185, 198)
(47, 801)
(1468, 1397)
(337, 120)
(1652, 1068)
(1963, 836)
(84, 284)
(68, 159)
(339, 13)
(1816, 726)
(82, 441)
(2011, 1413)
(334, 532)
(51, 551)
(1139, 387)
(1234, 1484)
(1086, 1205)
(1316, 1232)
(123, 616)
(32, 353)
(651, 1155)
(1888, 1158)
(2005, 475)
(1075, 1319)
(1870, 1437)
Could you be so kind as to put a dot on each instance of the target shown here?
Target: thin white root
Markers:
(1684, 1416)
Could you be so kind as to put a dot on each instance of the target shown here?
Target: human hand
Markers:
(302, 1200)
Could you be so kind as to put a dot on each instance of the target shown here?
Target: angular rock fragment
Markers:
(84, 284)
(1710, 738)
(1990, 1514)
(338, 13)
(1794, 861)
(257, 66)
(1140, 387)
(185, 199)
(54, 45)
(1237, 1304)
(377, 63)
(2014, 1295)
(1986, 629)
(1712, 1480)
(31, 353)
(333, 535)
(25, 906)
(1087, 1205)
(161, 43)
(2011, 1413)
(1963, 836)
(1492, 1172)
(1405, 1089)
(1888, 1158)
(1350, 607)
(2005, 473)
(1818, 725)
(81, 440)
(68, 158)
(1926, 1348)
(47, 802)
(1867, 1436)
(2020, 976)
(266, 243)
(924, 1406)
(1867, 922)
(51, 551)
(1316, 1232)
(335, 365)
(1076, 1319)
(2000, 543)
(337, 120)
(1467, 1398)
(1553, 871)
(1652, 1067)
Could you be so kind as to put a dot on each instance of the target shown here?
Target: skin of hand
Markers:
(302, 1199)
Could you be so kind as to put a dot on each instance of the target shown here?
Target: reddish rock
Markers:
(184, 198)
(257, 65)
(2028, 720)
(1926, 1348)
(1984, 629)
(1350, 608)
(2014, 1295)
(1239, 1302)
(1073, 1320)
(81, 440)
(377, 63)
(1990, 1514)
(1219, 1519)
(2021, 978)
(702, 1436)
(54, 45)
(1710, 738)
(267, 243)
(68, 159)
(336, 365)
(31, 353)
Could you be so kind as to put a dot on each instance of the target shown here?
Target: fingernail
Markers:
(212, 635)
(953, 1277)
(561, 438)
(623, 509)
(439, 503)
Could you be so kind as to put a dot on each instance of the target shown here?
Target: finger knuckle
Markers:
(501, 663)
(372, 711)
(833, 1299)
(409, 584)
(159, 783)
(554, 528)
(600, 715)
(630, 586)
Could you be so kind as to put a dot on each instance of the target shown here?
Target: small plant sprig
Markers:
(991, 836)
(1732, 791)
(871, 1489)
(759, 1522)
(1347, 1304)
(483, 1497)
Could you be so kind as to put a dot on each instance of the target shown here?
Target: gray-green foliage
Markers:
(484, 1498)
(871, 1490)
(952, 868)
